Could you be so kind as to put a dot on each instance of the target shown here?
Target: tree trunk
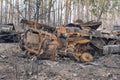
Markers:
(29, 10)
(17, 12)
(37, 10)
(6, 11)
(1, 10)
(67, 11)
(49, 11)
(10, 12)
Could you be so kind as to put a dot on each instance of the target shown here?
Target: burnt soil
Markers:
(13, 66)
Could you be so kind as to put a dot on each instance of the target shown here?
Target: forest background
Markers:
(59, 12)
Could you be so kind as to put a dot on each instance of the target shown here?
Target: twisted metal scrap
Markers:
(45, 43)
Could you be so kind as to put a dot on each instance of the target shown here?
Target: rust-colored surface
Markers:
(64, 39)
(86, 57)
(90, 24)
(76, 44)
(36, 25)
(39, 42)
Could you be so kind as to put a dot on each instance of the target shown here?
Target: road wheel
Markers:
(86, 57)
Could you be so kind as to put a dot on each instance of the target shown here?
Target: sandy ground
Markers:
(15, 67)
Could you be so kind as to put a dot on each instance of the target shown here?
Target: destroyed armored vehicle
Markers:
(8, 33)
(79, 41)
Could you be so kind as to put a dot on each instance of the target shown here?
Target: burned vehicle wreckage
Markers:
(79, 41)
(8, 33)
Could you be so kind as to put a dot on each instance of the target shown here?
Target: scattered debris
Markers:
(8, 33)
(3, 56)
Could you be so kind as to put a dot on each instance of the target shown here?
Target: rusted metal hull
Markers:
(79, 44)
(39, 42)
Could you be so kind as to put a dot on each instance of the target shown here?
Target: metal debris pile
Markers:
(8, 33)
(79, 41)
